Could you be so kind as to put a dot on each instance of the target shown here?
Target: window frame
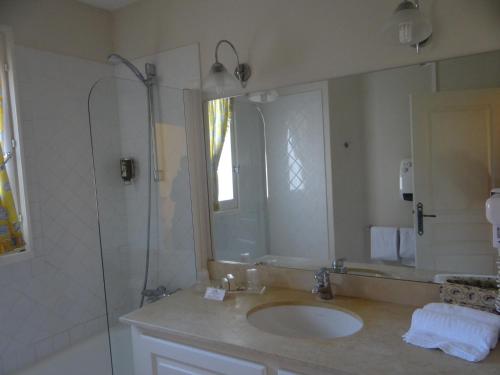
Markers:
(232, 204)
(229, 206)
(19, 158)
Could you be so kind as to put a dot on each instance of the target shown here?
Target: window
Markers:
(223, 163)
(12, 198)
(225, 180)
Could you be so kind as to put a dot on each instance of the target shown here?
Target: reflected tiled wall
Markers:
(56, 298)
(244, 230)
(297, 206)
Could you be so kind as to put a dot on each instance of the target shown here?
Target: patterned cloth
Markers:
(11, 237)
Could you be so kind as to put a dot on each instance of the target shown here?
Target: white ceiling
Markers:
(108, 4)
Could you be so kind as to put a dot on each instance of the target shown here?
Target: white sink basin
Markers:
(304, 321)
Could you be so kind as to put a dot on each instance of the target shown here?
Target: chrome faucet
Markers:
(323, 286)
(338, 266)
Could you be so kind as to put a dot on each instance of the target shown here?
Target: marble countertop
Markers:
(376, 349)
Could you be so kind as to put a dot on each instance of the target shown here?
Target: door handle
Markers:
(420, 218)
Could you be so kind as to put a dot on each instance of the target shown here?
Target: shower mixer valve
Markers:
(127, 169)
(154, 295)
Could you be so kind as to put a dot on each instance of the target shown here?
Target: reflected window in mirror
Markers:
(223, 155)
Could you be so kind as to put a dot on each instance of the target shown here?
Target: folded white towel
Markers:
(466, 312)
(407, 244)
(384, 243)
(430, 341)
(456, 335)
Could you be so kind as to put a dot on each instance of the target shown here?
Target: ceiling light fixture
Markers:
(409, 25)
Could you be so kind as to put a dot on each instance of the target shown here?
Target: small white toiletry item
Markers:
(215, 294)
(230, 282)
(406, 179)
(458, 336)
(245, 257)
(224, 284)
(253, 281)
(384, 243)
(407, 245)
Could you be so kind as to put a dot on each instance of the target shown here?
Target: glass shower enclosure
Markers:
(118, 118)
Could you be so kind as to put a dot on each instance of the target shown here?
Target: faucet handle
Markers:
(322, 275)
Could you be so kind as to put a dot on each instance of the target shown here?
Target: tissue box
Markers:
(475, 293)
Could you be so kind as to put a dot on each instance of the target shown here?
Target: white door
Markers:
(455, 138)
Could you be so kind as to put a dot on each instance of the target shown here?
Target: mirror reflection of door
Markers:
(455, 135)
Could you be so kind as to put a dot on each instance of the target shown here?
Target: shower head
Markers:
(116, 59)
(263, 96)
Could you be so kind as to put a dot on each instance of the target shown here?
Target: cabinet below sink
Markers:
(155, 356)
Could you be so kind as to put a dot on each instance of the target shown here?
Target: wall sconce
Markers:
(408, 25)
(219, 78)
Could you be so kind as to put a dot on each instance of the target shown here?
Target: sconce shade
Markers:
(408, 25)
(220, 80)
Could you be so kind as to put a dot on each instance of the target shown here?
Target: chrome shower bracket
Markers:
(150, 74)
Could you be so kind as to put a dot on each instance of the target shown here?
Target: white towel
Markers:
(455, 335)
(466, 312)
(384, 243)
(407, 244)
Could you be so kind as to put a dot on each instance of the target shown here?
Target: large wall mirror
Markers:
(389, 170)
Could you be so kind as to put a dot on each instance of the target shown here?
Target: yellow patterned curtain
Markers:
(11, 237)
(220, 112)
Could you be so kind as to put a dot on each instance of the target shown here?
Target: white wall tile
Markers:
(38, 313)
(57, 298)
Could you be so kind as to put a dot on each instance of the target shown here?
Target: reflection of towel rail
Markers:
(6, 158)
(9, 154)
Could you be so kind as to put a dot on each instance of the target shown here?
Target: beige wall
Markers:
(348, 167)
(291, 41)
(61, 26)
(470, 72)
(370, 113)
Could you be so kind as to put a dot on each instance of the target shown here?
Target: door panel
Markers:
(454, 137)
(460, 158)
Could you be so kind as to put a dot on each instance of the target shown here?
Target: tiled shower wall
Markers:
(56, 298)
(172, 244)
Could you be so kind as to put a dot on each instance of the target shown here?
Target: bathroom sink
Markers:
(304, 321)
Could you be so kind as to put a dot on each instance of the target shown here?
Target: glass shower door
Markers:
(119, 130)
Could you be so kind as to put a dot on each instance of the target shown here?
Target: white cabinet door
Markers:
(286, 372)
(153, 356)
(167, 366)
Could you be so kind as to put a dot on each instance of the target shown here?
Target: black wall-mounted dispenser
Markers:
(127, 168)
